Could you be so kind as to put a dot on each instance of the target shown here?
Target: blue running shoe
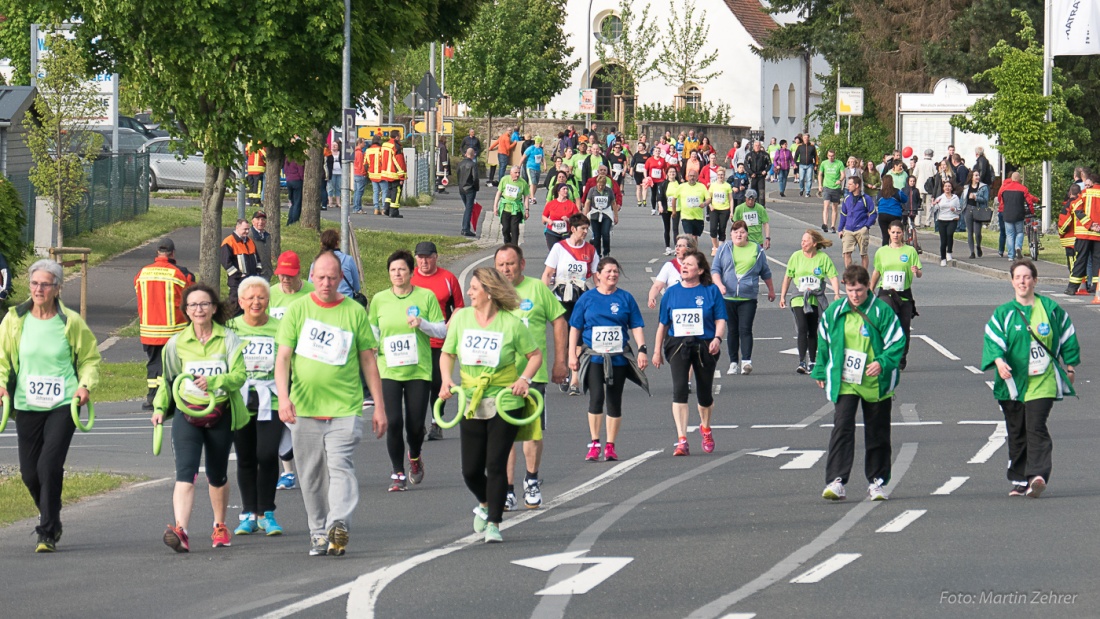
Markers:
(269, 525)
(287, 481)
(247, 525)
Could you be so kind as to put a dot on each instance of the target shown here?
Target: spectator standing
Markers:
(472, 141)
(157, 287)
(468, 185)
(240, 259)
(294, 176)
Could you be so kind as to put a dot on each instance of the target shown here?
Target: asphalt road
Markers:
(736, 533)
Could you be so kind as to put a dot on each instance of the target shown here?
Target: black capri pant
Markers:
(687, 353)
(694, 227)
(406, 409)
(189, 440)
(597, 388)
(719, 219)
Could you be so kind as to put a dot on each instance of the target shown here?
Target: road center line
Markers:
(795, 560)
(906, 518)
(830, 565)
(939, 347)
(995, 441)
(974, 370)
(950, 486)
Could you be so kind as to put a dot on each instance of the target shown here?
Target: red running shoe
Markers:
(176, 539)
(220, 536)
(609, 454)
(708, 439)
(681, 448)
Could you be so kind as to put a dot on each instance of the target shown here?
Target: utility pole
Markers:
(346, 173)
(432, 103)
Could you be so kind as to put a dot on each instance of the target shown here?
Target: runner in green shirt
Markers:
(719, 200)
(755, 217)
(691, 199)
(403, 319)
(513, 204)
(809, 268)
(828, 181)
(538, 308)
(291, 287)
(895, 267)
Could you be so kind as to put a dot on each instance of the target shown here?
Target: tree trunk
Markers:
(272, 203)
(312, 178)
(210, 235)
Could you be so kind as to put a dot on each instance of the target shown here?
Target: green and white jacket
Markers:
(887, 341)
(1007, 337)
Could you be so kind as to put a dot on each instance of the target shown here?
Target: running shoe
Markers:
(269, 525)
(563, 386)
(746, 367)
(810, 367)
(435, 433)
(287, 481)
(943, 263)
(713, 250)
(734, 369)
(532, 493)
(652, 211)
(176, 539)
(593, 452)
(609, 454)
(492, 534)
(481, 519)
(1018, 490)
(834, 491)
(708, 440)
(668, 251)
(874, 490)
(337, 539)
(834, 230)
(416, 469)
(368, 401)
(681, 448)
(574, 390)
(220, 536)
(399, 482)
(247, 525)
(510, 501)
(1038, 484)
(824, 228)
(318, 546)
(46, 543)
(802, 368)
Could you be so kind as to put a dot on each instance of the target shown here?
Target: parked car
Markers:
(170, 170)
(129, 141)
(150, 132)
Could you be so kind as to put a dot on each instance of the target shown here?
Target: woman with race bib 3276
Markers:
(485, 339)
(809, 268)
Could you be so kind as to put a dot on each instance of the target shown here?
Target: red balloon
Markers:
(907, 152)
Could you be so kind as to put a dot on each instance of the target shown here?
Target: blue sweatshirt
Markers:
(745, 286)
(857, 212)
(892, 206)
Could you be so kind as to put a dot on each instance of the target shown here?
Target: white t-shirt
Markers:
(565, 264)
(669, 274)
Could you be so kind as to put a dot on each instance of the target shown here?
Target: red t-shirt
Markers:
(656, 169)
(444, 285)
(558, 210)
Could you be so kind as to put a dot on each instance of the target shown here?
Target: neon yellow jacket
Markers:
(85, 353)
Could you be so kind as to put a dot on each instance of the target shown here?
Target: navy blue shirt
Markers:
(683, 309)
(595, 309)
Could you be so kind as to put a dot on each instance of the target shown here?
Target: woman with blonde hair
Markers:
(808, 268)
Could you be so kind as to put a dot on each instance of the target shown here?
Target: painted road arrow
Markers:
(806, 458)
(602, 569)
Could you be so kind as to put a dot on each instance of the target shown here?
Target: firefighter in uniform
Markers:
(1067, 223)
(1086, 212)
(376, 160)
(159, 287)
(239, 258)
(395, 174)
(257, 163)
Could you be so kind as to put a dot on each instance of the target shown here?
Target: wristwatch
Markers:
(526, 379)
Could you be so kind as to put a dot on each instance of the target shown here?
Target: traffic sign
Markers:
(414, 101)
(429, 89)
(383, 132)
(348, 147)
(447, 128)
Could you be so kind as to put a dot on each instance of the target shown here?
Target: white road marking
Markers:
(896, 424)
(717, 389)
(578, 584)
(821, 570)
(654, 260)
(989, 383)
(806, 458)
(973, 370)
(814, 418)
(909, 413)
(995, 441)
(939, 347)
(649, 269)
(762, 339)
(466, 272)
(789, 351)
(950, 486)
(577, 511)
(151, 482)
(694, 428)
(740, 616)
(906, 518)
(107, 343)
(769, 426)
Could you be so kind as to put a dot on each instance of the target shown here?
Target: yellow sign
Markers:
(384, 132)
(422, 127)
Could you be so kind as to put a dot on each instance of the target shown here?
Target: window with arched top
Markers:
(792, 103)
(603, 82)
(693, 97)
(611, 27)
(775, 102)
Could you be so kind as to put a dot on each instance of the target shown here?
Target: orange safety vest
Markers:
(1066, 225)
(1086, 213)
(159, 288)
(394, 168)
(376, 159)
(257, 162)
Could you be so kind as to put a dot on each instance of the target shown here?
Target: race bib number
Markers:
(324, 343)
(855, 363)
(693, 201)
(511, 191)
(575, 271)
(893, 280)
(640, 168)
(607, 340)
(687, 322)
(481, 348)
(720, 197)
(44, 391)
(277, 312)
(752, 218)
(600, 202)
(656, 173)
(808, 282)
(401, 350)
(202, 368)
(617, 168)
(559, 226)
(1038, 361)
(259, 354)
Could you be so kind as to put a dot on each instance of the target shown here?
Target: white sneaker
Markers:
(834, 491)
(874, 490)
(532, 493)
(943, 263)
(734, 369)
(746, 367)
(510, 501)
(713, 250)
(668, 251)
(949, 256)
(652, 211)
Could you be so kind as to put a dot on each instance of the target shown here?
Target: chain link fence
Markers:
(424, 174)
(118, 189)
(25, 189)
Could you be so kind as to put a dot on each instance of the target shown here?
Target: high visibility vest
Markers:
(257, 162)
(394, 165)
(1087, 213)
(376, 160)
(159, 289)
(1066, 225)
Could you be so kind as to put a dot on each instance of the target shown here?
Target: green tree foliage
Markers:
(1016, 113)
(626, 57)
(15, 34)
(514, 56)
(683, 40)
(11, 233)
(870, 140)
(55, 134)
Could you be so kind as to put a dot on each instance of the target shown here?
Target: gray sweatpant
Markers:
(326, 471)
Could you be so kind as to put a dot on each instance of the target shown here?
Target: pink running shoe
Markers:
(593, 452)
(708, 440)
(609, 454)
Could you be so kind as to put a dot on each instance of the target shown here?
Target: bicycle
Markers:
(911, 236)
(1032, 234)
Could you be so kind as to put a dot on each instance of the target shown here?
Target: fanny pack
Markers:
(209, 420)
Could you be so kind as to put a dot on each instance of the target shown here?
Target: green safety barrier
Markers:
(75, 407)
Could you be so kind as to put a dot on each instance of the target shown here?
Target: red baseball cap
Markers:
(288, 264)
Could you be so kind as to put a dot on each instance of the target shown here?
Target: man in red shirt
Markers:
(448, 291)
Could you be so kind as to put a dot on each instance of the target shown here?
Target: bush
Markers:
(708, 114)
(1061, 176)
(11, 233)
(870, 141)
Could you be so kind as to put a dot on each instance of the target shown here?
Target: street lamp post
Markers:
(345, 241)
(588, 62)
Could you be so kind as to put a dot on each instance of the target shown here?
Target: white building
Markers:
(773, 97)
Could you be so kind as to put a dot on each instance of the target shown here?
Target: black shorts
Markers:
(693, 227)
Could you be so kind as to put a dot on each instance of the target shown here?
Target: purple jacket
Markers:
(784, 159)
(293, 170)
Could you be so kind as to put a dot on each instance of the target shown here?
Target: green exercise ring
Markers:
(531, 395)
(181, 404)
(158, 438)
(7, 412)
(75, 407)
(455, 389)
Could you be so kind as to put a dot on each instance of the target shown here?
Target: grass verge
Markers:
(16, 503)
(121, 381)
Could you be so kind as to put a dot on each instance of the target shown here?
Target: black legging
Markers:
(947, 237)
(601, 234)
(884, 225)
(44, 439)
(406, 408)
(670, 234)
(257, 445)
(657, 195)
(486, 444)
(437, 383)
(974, 232)
(552, 239)
(806, 326)
(683, 355)
(740, 316)
(719, 219)
(595, 382)
(905, 313)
